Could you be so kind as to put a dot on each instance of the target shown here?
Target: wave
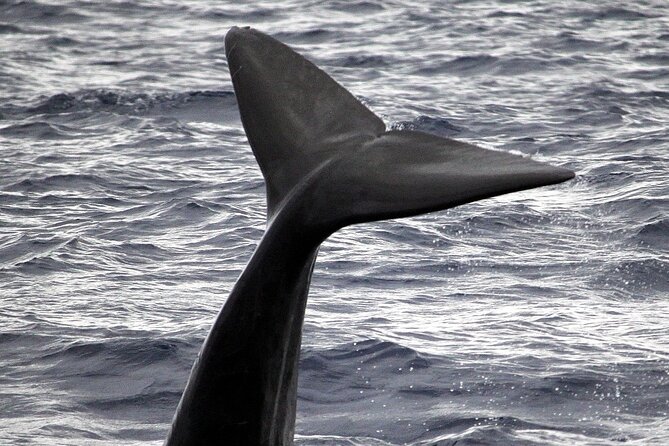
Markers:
(24, 246)
(338, 440)
(429, 124)
(604, 94)
(573, 42)
(112, 375)
(661, 59)
(487, 65)
(364, 61)
(341, 368)
(6, 28)
(649, 74)
(61, 41)
(33, 11)
(478, 402)
(496, 14)
(241, 12)
(355, 6)
(611, 13)
(461, 65)
(367, 351)
(103, 350)
(655, 233)
(314, 35)
(39, 130)
(122, 102)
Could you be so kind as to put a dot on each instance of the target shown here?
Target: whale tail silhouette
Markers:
(328, 162)
(305, 127)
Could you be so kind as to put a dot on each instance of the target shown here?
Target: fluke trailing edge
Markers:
(328, 162)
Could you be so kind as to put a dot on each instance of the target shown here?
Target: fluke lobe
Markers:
(328, 162)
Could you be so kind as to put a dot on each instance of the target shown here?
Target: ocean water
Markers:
(130, 202)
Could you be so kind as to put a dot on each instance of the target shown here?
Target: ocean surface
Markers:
(130, 201)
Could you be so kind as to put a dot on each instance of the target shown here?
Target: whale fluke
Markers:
(328, 162)
(298, 118)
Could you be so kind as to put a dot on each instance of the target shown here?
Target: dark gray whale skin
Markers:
(328, 162)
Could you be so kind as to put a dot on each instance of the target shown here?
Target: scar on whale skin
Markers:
(328, 162)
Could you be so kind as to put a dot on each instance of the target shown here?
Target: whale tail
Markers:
(305, 127)
(328, 162)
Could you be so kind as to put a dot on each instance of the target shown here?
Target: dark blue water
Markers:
(130, 201)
